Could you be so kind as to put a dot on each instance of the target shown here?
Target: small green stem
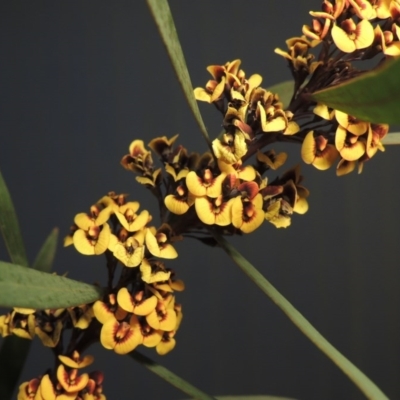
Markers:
(369, 388)
(170, 377)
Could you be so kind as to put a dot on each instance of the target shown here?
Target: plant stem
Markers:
(368, 387)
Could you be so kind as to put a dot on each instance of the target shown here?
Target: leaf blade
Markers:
(9, 227)
(45, 257)
(372, 97)
(23, 287)
(170, 377)
(347, 367)
(165, 24)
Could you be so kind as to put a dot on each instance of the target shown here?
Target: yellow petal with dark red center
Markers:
(168, 321)
(168, 251)
(326, 158)
(342, 40)
(165, 347)
(121, 336)
(353, 152)
(125, 300)
(204, 210)
(351, 124)
(175, 205)
(102, 312)
(195, 184)
(152, 339)
(151, 243)
(146, 306)
(82, 243)
(102, 241)
(308, 148)
(69, 382)
(215, 188)
(254, 222)
(153, 320)
(365, 34)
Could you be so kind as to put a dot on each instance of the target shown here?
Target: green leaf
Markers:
(391, 138)
(369, 388)
(170, 377)
(284, 90)
(165, 24)
(13, 354)
(45, 257)
(14, 350)
(9, 227)
(373, 96)
(25, 287)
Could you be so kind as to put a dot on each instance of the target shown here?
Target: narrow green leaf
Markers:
(9, 227)
(14, 350)
(165, 24)
(373, 96)
(25, 287)
(170, 377)
(369, 388)
(45, 257)
(285, 91)
(13, 354)
(391, 138)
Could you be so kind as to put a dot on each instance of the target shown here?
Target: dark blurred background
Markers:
(79, 80)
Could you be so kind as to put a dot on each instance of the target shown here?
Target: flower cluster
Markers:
(66, 383)
(140, 308)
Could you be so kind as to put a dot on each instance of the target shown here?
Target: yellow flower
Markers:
(139, 159)
(179, 202)
(130, 252)
(70, 380)
(154, 271)
(247, 209)
(122, 337)
(349, 37)
(317, 151)
(230, 148)
(76, 361)
(207, 184)
(138, 303)
(163, 146)
(128, 218)
(166, 344)
(214, 211)
(158, 243)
